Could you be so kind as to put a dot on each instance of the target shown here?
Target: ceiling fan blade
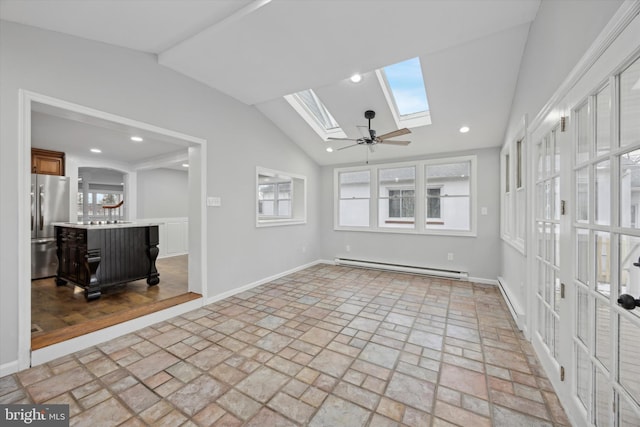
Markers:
(395, 133)
(341, 139)
(395, 142)
(348, 146)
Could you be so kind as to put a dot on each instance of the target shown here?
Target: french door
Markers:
(593, 252)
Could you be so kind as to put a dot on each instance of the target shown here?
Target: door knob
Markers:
(628, 302)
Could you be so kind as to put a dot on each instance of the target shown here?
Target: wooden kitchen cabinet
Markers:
(47, 162)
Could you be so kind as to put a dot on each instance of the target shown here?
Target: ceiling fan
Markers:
(374, 139)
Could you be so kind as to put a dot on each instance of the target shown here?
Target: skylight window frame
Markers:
(316, 124)
(421, 118)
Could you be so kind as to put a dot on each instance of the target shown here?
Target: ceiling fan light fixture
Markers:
(356, 78)
(464, 129)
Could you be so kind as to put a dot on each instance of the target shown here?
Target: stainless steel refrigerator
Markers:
(49, 204)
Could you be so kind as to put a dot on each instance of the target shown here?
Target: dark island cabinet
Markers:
(96, 257)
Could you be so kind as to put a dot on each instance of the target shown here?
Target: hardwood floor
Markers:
(61, 312)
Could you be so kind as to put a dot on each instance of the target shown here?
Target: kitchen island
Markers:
(98, 255)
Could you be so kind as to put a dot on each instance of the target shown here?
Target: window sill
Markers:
(279, 222)
(428, 232)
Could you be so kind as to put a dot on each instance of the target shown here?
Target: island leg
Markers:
(153, 278)
(92, 261)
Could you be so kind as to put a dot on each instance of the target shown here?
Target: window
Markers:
(404, 89)
(448, 195)
(99, 195)
(315, 113)
(355, 190)
(401, 203)
(281, 198)
(513, 192)
(444, 202)
(396, 201)
(274, 199)
(433, 204)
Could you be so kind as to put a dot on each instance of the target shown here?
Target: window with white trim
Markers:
(354, 196)
(280, 198)
(444, 202)
(448, 196)
(513, 194)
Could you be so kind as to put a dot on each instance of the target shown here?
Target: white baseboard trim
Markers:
(252, 285)
(518, 314)
(55, 351)
(8, 368)
(484, 281)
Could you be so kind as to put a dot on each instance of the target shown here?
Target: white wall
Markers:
(131, 84)
(163, 193)
(558, 38)
(479, 256)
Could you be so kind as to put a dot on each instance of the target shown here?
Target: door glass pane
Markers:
(603, 404)
(556, 151)
(630, 189)
(630, 105)
(584, 136)
(629, 274)
(603, 262)
(556, 260)
(539, 200)
(540, 235)
(603, 333)
(583, 377)
(548, 155)
(556, 198)
(548, 241)
(583, 315)
(629, 344)
(540, 160)
(582, 255)
(548, 200)
(603, 121)
(603, 193)
(582, 194)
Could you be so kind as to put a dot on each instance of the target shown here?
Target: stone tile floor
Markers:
(327, 346)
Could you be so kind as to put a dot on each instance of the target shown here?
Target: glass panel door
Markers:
(606, 241)
(548, 256)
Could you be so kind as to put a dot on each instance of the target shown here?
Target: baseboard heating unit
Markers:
(449, 274)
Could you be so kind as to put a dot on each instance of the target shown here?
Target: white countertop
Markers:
(103, 224)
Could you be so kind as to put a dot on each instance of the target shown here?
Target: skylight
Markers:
(403, 86)
(314, 112)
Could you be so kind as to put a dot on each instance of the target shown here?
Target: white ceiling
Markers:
(76, 134)
(259, 51)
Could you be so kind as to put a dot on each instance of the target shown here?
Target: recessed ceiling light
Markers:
(356, 78)
(137, 139)
(464, 129)
(96, 150)
(329, 150)
(185, 165)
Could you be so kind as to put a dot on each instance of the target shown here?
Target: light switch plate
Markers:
(214, 201)
(483, 211)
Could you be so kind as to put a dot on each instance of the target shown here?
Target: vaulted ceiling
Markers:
(258, 51)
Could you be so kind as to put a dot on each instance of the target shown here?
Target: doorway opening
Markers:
(74, 129)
